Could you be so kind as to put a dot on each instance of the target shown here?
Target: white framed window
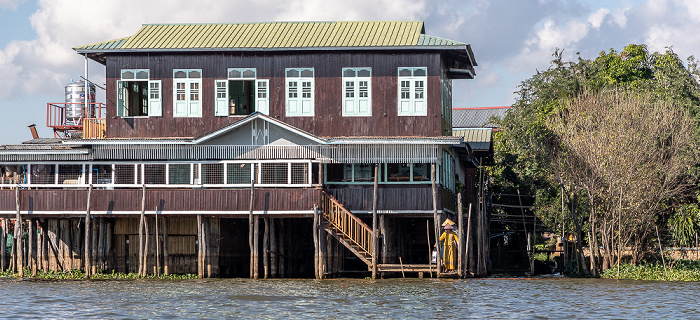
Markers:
(241, 94)
(137, 95)
(187, 92)
(300, 91)
(412, 91)
(357, 91)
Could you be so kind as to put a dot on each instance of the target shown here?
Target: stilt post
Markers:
(157, 243)
(266, 248)
(460, 242)
(166, 257)
(468, 238)
(18, 237)
(317, 249)
(256, 247)
(30, 246)
(3, 244)
(200, 248)
(88, 251)
(436, 220)
(250, 227)
(141, 223)
(375, 235)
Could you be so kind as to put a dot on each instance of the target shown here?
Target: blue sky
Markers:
(510, 39)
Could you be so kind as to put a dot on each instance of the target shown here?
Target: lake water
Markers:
(350, 298)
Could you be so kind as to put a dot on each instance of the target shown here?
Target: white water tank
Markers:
(75, 101)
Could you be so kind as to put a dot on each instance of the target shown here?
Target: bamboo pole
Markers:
(18, 237)
(401, 263)
(375, 236)
(141, 223)
(266, 248)
(460, 242)
(436, 222)
(166, 257)
(250, 228)
(87, 256)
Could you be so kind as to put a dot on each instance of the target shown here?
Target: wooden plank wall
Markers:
(328, 119)
(195, 200)
(391, 198)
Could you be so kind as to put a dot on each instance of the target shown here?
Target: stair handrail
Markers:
(346, 223)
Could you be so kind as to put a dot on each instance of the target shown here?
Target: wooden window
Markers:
(412, 91)
(187, 84)
(357, 94)
(300, 91)
(137, 95)
(242, 94)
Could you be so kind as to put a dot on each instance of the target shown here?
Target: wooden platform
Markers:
(407, 268)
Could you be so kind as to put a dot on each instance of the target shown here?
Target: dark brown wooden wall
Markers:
(164, 199)
(328, 120)
(359, 197)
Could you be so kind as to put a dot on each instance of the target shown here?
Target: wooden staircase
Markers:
(347, 228)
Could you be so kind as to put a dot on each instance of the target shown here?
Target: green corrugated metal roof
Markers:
(478, 139)
(274, 35)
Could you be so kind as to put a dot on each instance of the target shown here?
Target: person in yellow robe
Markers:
(449, 247)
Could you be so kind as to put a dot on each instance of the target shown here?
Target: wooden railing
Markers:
(94, 128)
(346, 223)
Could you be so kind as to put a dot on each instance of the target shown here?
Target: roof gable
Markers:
(258, 129)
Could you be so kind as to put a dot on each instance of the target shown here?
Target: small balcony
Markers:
(76, 120)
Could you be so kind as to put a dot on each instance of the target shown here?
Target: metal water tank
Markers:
(75, 101)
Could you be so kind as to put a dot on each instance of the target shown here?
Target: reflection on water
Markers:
(395, 298)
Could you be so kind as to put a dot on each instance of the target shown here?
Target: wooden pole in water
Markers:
(375, 236)
(200, 250)
(30, 246)
(87, 258)
(256, 247)
(157, 234)
(145, 247)
(101, 243)
(18, 237)
(273, 248)
(468, 238)
(166, 258)
(266, 248)
(436, 222)
(141, 222)
(317, 249)
(460, 243)
(3, 244)
(324, 249)
(250, 227)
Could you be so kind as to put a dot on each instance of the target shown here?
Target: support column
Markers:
(166, 258)
(273, 248)
(3, 244)
(250, 229)
(88, 223)
(436, 220)
(157, 243)
(31, 246)
(317, 249)
(266, 248)
(18, 237)
(468, 247)
(460, 242)
(200, 248)
(375, 236)
(141, 224)
(256, 247)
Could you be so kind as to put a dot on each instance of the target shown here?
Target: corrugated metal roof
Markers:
(275, 35)
(478, 139)
(476, 117)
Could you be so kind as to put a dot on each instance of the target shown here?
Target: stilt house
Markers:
(285, 149)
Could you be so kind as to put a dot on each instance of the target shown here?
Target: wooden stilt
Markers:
(273, 248)
(266, 248)
(145, 247)
(95, 232)
(375, 236)
(141, 224)
(157, 243)
(460, 242)
(31, 245)
(200, 249)
(283, 252)
(207, 247)
(166, 258)
(468, 247)
(3, 244)
(323, 249)
(256, 247)
(436, 220)
(88, 223)
(251, 227)
(18, 237)
(317, 249)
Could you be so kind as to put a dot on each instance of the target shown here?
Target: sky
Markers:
(511, 39)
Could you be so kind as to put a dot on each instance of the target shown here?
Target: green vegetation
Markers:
(681, 270)
(609, 149)
(80, 275)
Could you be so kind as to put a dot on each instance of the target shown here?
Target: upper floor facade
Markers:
(331, 79)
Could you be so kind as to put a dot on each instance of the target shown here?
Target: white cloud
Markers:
(9, 4)
(597, 18)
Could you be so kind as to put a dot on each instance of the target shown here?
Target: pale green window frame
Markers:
(412, 91)
(357, 92)
(187, 92)
(299, 91)
(150, 90)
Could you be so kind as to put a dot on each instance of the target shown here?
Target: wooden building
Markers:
(290, 149)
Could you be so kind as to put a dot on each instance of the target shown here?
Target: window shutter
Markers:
(195, 105)
(364, 97)
(292, 98)
(262, 100)
(155, 105)
(419, 98)
(307, 97)
(221, 108)
(120, 99)
(349, 94)
(180, 98)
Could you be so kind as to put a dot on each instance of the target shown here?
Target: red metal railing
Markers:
(56, 116)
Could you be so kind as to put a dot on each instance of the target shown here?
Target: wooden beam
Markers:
(166, 257)
(30, 246)
(266, 248)
(200, 248)
(250, 228)
(157, 235)
(317, 249)
(436, 220)
(460, 242)
(18, 237)
(256, 247)
(87, 256)
(141, 223)
(468, 247)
